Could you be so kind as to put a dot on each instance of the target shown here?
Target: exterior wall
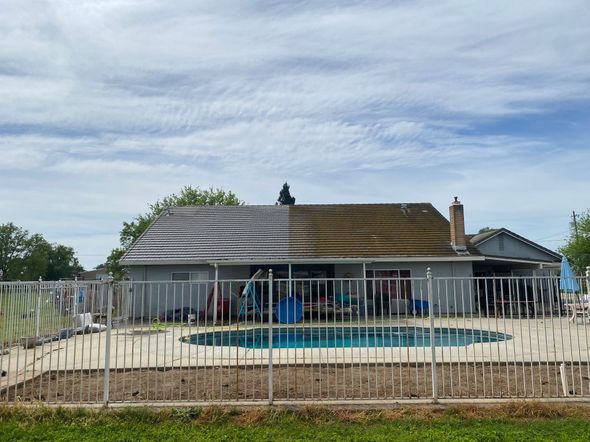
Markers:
(161, 295)
(513, 248)
(450, 297)
(164, 273)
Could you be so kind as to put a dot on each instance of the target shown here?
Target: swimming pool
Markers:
(345, 336)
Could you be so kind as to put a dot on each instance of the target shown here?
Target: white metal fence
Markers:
(267, 340)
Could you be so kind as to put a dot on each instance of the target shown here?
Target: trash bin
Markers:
(420, 307)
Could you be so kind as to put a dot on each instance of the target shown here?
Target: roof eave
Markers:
(521, 260)
(353, 260)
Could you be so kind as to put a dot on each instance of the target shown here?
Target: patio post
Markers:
(270, 373)
(107, 347)
(432, 335)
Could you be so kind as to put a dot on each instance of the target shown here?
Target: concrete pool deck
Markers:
(132, 347)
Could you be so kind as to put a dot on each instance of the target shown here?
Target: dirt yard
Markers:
(303, 382)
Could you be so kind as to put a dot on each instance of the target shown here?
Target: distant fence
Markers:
(283, 340)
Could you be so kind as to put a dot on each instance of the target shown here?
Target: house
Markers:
(98, 274)
(319, 242)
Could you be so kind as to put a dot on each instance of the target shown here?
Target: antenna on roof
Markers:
(167, 212)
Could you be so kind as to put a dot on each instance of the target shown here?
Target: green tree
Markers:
(188, 196)
(35, 263)
(62, 263)
(112, 263)
(13, 250)
(28, 257)
(285, 197)
(577, 248)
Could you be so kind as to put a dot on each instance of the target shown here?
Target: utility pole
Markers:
(575, 222)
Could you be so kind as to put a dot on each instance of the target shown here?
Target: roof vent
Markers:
(404, 209)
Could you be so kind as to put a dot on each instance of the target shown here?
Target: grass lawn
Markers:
(511, 422)
(18, 315)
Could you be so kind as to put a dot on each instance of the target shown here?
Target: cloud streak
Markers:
(108, 105)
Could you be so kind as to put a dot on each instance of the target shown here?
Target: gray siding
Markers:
(162, 295)
(452, 296)
(512, 248)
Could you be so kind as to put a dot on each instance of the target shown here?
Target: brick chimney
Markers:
(457, 219)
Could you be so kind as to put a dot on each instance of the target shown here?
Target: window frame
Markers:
(191, 276)
(390, 283)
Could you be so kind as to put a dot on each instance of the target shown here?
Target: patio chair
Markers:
(84, 323)
(580, 307)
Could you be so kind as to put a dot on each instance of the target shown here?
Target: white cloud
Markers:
(108, 105)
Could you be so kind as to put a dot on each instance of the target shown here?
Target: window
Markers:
(395, 283)
(501, 243)
(181, 276)
(190, 276)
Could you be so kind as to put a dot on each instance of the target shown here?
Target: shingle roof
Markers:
(479, 237)
(255, 233)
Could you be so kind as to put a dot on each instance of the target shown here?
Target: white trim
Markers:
(523, 261)
(311, 260)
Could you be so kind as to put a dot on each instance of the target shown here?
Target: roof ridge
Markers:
(304, 205)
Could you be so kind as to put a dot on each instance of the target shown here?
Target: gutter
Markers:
(256, 261)
(523, 261)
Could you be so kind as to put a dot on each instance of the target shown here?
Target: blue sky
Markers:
(108, 105)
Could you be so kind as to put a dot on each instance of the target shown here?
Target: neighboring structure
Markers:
(93, 275)
(325, 241)
(507, 253)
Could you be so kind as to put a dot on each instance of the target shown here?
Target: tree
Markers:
(62, 263)
(285, 197)
(188, 196)
(13, 250)
(577, 248)
(28, 257)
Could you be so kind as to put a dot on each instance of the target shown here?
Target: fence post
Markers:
(270, 374)
(216, 294)
(366, 308)
(38, 319)
(107, 347)
(432, 336)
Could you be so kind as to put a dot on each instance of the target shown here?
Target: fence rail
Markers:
(266, 339)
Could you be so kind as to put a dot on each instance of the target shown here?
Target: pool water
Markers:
(346, 336)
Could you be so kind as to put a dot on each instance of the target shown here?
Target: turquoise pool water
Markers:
(339, 337)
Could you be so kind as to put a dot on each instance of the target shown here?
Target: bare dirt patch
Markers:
(397, 381)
